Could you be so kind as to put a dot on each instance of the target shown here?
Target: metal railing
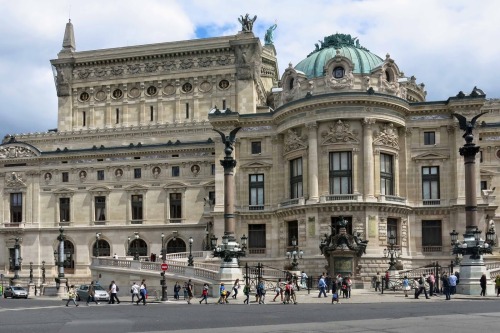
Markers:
(427, 249)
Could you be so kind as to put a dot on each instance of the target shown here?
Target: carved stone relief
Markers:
(15, 179)
(294, 142)
(387, 136)
(16, 152)
(339, 132)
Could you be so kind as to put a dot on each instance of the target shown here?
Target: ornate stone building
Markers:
(343, 133)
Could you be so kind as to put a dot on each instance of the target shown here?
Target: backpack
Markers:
(117, 289)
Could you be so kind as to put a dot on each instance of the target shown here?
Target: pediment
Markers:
(175, 185)
(99, 189)
(14, 149)
(64, 191)
(250, 165)
(430, 156)
(136, 188)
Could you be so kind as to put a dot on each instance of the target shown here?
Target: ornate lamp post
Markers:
(391, 252)
(17, 257)
(295, 254)
(136, 253)
(31, 272)
(190, 257)
(97, 236)
(59, 254)
(164, 260)
(229, 250)
(43, 272)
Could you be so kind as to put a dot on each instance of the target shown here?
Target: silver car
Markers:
(15, 292)
(83, 292)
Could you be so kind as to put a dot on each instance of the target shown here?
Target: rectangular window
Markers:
(65, 177)
(64, 211)
(257, 238)
(84, 119)
(386, 174)
(100, 208)
(480, 156)
(187, 110)
(137, 207)
(16, 207)
(293, 232)
(340, 172)
(100, 174)
(484, 185)
(431, 233)
(430, 183)
(213, 170)
(256, 189)
(175, 171)
(211, 197)
(223, 104)
(137, 173)
(392, 229)
(256, 147)
(175, 206)
(429, 138)
(296, 184)
(151, 113)
(117, 115)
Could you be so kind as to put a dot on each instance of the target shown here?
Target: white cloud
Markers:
(450, 45)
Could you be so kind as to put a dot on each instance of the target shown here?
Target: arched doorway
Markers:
(176, 245)
(69, 260)
(138, 246)
(104, 248)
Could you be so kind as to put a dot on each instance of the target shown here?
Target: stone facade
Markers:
(134, 155)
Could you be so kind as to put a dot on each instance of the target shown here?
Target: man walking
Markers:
(135, 291)
(431, 281)
(112, 291)
(91, 293)
(421, 287)
(452, 279)
(378, 281)
(322, 286)
(189, 289)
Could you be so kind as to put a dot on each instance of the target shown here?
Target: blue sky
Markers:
(449, 45)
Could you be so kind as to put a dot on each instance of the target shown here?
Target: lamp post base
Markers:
(229, 272)
(471, 271)
(62, 291)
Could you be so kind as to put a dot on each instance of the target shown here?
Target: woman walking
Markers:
(204, 293)
(236, 286)
(482, 282)
(406, 285)
(71, 295)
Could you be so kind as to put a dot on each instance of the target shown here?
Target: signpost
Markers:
(164, 266)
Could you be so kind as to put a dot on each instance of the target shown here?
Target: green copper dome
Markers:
(364, 61)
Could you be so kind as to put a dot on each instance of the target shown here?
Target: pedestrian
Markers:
(422, 287)
(293, 296)
(303, 280)
(204, 293)
(288, 293)
(453, 280)
(115, 256)
(349, 286)
(222, 294)
(246, 292)
(91, 294)
(135, 291)
(322, 287)
(143, 291)
(416, 286)
(406, 285)
(497, 284)
(482, 283)
(113, 289)
(71, 295)
(339, 281)
(387, 276)
(278, 291)
(335, 294)
(344, 288)
(236, 286)
(378, 281)
(261, 292)
(185, 290)
(328, 281)
(177, 288)
(445, 282)
(190, 290)
(431, 280)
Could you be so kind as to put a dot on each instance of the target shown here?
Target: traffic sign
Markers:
(164, 267)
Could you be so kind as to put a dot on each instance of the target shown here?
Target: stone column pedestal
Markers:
(62, 291)
(471, 271)
(31, 290)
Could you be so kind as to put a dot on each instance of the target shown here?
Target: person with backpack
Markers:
(134, 290)
(113, 289)
(71, 295)
(246, 292)
(143, 291)
(261, 292)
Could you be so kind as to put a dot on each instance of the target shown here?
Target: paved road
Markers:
(365, 312)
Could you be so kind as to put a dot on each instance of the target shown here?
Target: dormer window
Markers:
(290, 83)
(338, 72)
(388, 76)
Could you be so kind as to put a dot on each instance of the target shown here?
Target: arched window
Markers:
(69, 260)
(138, 246)
(338, 72)
(104, 248)
(290, 83)
(176, 245)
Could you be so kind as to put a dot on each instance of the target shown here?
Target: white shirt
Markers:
(113, 288)
(135, 289)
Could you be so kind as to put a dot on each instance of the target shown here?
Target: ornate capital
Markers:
(368, 122)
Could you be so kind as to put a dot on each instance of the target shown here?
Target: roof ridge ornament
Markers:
(337, 41)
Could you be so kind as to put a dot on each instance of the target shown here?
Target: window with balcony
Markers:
(100, 208)
(340, 172)
(431, 236)
(137, 207)
(430, 185)
(175, 207)
(296, 184)
(256, 238)
(16, 207)
(64, 210)
(386, 174)
(429, 138)
(256, 190)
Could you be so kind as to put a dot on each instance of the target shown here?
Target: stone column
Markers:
(469, 153)
(355, 164)
(368, 173)
(313, 162)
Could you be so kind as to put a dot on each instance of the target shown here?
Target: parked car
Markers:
(15, 292)
(83, 292)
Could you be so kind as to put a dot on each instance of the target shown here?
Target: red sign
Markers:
(164, 267)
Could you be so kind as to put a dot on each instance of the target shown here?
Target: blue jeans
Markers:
(447, 291)
(322, 290)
